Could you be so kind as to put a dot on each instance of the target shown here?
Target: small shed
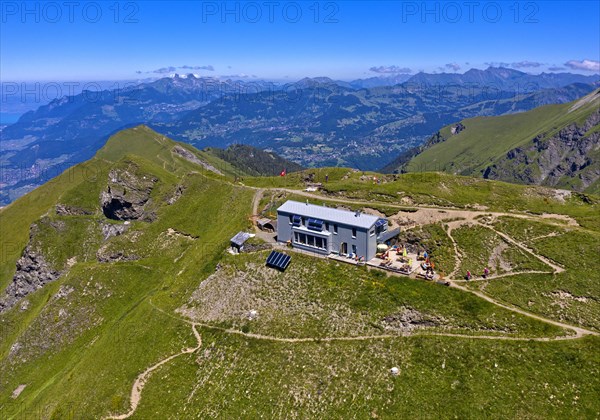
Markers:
(267, 225)
(237, 242)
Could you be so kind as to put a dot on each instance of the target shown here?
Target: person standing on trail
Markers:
(468, 276)
(486, 272)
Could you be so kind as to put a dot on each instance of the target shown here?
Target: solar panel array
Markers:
(381, 222)
(278, 260)
(315, 224)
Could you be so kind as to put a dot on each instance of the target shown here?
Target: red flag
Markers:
(282, 173)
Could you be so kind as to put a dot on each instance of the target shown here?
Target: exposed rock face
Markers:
(190, 157)
(178, 193)
(569, 159)
(457, 128)
(33, 272)
(408, 319)
(127, 195)
(109, 230)
(64, 210)
(105, 257)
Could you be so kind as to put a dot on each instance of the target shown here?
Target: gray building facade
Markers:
(326, 230)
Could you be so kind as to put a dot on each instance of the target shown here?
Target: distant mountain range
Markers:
(313, 122)
(554, 145)
(502, 78)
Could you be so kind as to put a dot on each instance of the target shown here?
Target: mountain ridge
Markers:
(554, 145)
(356, 128)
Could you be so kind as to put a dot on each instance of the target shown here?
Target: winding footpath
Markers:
(577, 332)
(140, 382)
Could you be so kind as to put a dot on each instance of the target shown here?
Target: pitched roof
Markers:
(328, 214)
(388, 234)
(264, 221)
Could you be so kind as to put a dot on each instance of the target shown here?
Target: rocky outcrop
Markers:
(105, 256)
(190, 157)
(127, 195)
(568, 158)
(65, 210)
(176, 195)
(455, 129)
(109, 230)
(33, 272)
(409, 319)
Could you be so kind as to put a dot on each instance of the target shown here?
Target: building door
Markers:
(343, 248)
(354, 249)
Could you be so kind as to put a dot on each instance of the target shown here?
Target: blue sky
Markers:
(51, 41)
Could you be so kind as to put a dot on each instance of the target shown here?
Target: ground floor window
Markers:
(310, 240)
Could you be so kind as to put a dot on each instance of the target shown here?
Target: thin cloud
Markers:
(163, 70)
(208, 67)
(453, 66)
(390, 69)
(557, 68)
(497, 64)
(172, 69)
(585, 65)
(526, 64)
(239, 76)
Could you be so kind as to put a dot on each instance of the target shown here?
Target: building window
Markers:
(372, 232)
(354, 249)
(296, 220)
(319, 242)
(354, 232)
(310, 241)
(335, 229)
(327, 226)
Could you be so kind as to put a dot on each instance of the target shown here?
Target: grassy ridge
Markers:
(95, 324)
(486, 139)
(440, 377)
(84, 338)
(485, 142)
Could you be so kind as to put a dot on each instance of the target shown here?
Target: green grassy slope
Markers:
(438, 189)
(252, 161)
(82, 340)
(487, 140)
(315, 298)
(440, 378)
